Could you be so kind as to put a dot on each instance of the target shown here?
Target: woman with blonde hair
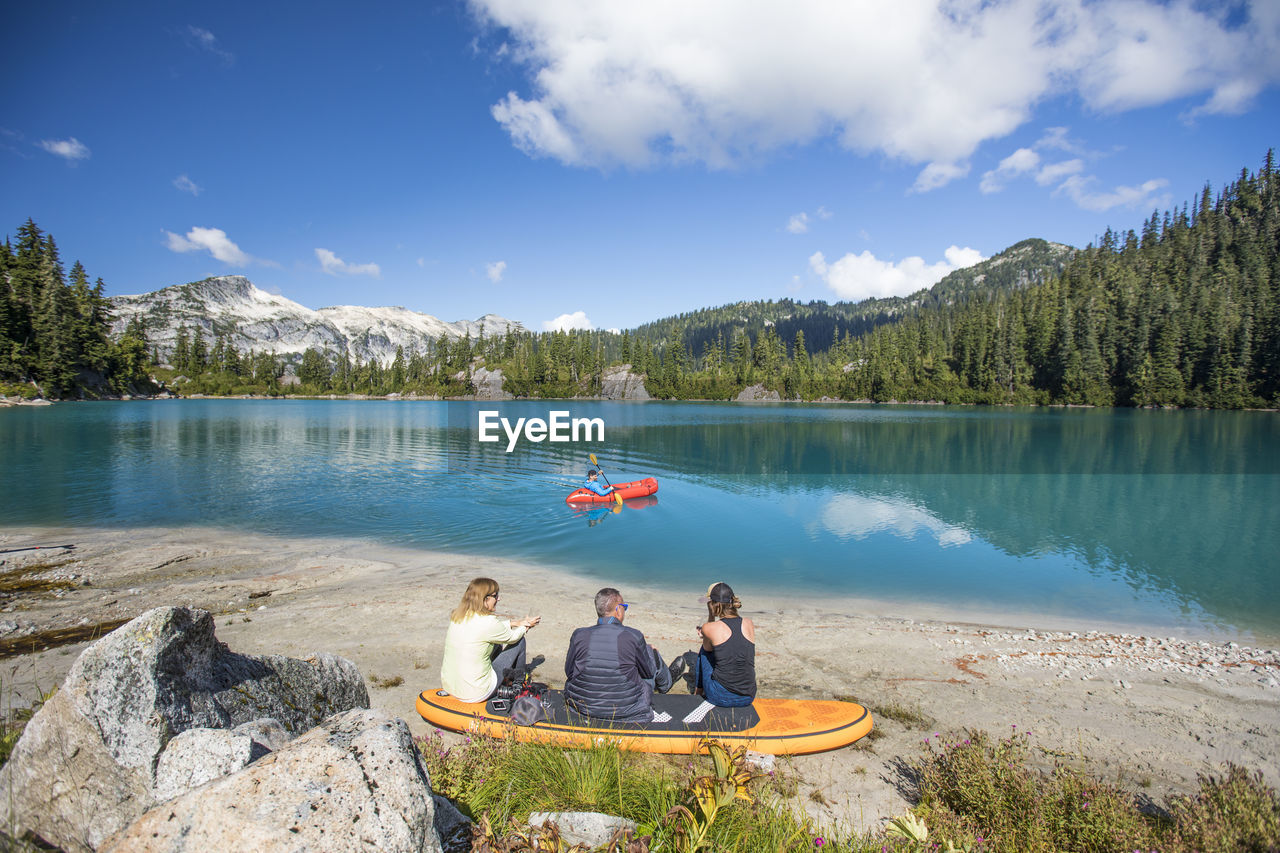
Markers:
(479, 646)
(726, 669)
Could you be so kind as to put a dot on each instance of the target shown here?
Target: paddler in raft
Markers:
(593, 484)
(480, 647)
(725, 673)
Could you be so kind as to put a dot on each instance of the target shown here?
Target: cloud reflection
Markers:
(859, 516)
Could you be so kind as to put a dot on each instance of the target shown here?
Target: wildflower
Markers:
(819, 841)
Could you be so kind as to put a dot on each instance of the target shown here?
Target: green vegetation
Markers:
(974, 794)
(979, 793)
(53, 330)
(679, 804)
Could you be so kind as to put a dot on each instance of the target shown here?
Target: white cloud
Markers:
(927, 82)
(1067, 178)
(858, 277)
(495, 270)
(1019, 162)
(212, 240)
(1143, 196)
(334, 265)
(70, 149)
(208, 42)
(1051, 173)
(182, 182)
(937, 175)
(565, 322)
(1056, 139)
(799, 222)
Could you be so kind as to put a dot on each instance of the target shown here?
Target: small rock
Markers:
(590, 828)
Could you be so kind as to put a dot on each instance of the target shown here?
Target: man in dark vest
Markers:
(610, 671)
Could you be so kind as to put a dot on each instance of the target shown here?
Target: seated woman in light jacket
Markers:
(479, 645)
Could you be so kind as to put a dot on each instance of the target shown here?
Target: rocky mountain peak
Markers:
(252, 318)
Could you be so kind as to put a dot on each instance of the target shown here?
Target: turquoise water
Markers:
(1149, 518)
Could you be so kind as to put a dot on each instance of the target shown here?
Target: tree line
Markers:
(1184, 311)
(54, 327)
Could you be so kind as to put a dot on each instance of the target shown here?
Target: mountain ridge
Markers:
(1025, 263)
(251, 318)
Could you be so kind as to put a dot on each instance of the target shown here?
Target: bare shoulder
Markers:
(717, 631)
(748, 629)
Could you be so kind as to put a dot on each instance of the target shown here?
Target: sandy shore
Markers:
(1151, 712)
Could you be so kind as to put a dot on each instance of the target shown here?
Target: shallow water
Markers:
(1134, 517)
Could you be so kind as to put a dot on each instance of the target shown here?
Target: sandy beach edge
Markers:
(1148, 710)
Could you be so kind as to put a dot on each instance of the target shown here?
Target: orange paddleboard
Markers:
(772, 726)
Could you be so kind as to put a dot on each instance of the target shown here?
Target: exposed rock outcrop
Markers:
(354, 783)
(619, 383)
(758, 394)
(488, 384)
(87, 763)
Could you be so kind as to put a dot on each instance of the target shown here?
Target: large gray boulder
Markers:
(619, 383)
(86, 765)
(355, 783)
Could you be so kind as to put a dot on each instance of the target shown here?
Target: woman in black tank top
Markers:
(726, 671)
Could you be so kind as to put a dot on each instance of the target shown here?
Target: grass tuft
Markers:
(502, 780)
(981, 793)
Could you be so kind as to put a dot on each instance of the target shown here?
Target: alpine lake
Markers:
(1160, 521)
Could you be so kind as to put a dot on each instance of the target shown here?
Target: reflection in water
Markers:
(859, 516)
(1167, 517)
(596, 513)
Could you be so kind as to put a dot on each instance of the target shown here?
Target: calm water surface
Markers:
(1156, 519)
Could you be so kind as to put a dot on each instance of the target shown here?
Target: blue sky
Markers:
(585, 162)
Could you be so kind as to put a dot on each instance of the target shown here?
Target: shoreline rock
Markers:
(87, 764)
(356, 781)
(619, 383)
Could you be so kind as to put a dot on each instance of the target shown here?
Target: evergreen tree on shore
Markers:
(54, 331)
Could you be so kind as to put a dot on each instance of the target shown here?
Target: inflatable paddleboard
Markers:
(773, 726)
(634, 489)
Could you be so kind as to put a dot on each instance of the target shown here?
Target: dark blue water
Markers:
(1145, 517)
